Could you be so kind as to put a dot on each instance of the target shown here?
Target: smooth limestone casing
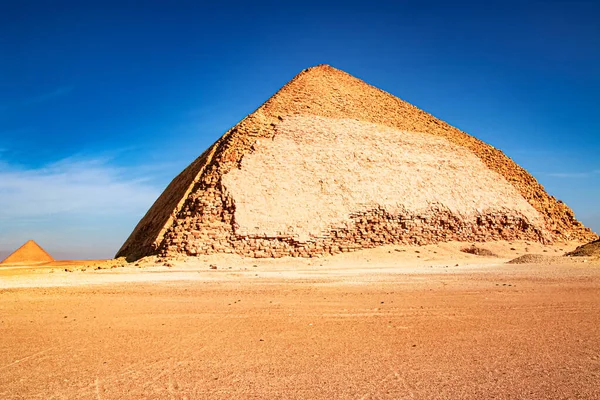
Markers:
(316, 172)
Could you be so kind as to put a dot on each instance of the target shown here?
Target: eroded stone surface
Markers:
(317, 172)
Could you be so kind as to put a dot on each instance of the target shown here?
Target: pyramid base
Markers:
(370, 229)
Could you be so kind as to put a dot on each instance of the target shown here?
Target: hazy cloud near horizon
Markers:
(77, 207)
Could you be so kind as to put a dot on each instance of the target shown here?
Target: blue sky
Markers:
(102, 104)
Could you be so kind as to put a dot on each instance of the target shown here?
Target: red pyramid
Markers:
(30, 252)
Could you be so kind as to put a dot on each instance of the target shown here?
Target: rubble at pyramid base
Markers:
(370, 229)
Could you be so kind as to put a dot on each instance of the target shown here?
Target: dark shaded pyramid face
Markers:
(30, 252)
(331, 164)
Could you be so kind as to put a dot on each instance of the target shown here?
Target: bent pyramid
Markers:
(331, 164)
(30, 252)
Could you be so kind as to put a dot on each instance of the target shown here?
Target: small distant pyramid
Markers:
(30, 252)
(331, 164)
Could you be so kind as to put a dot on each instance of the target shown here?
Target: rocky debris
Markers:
(212, 266)
(534, 259)
(591, 249)
(478, 251)
(366, 230)
(108, 264)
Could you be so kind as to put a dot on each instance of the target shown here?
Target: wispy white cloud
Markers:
(72, 186)
(61, 91)
(75, 207)
(585, 174)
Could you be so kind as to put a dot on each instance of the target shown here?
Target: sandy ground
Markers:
(387, 323)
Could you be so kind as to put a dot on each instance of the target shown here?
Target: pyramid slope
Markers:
(210, 208)
(30, 252)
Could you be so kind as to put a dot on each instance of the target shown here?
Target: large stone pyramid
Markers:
(331, 164)
(30, 252)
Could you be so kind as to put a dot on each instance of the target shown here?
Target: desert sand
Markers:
(386, 323)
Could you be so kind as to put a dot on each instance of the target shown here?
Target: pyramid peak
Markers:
(319, 70)
(323, 69)
(30, 243)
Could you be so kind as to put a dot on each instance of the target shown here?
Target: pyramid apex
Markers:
(322, 68)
